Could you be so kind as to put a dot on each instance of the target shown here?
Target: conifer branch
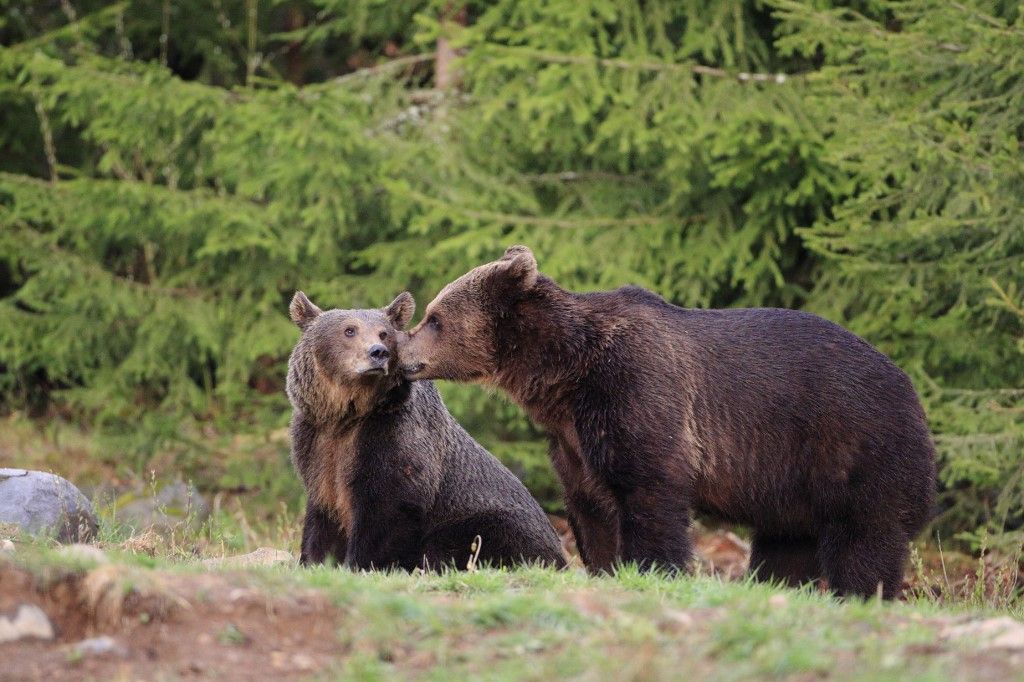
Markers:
(73, 28)
(650, 65)
(583, 175)
(548, 221)
(93, 269)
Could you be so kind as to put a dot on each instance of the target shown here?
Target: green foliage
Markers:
(171, 171)
(926, 255)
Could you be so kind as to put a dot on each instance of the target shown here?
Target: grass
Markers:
(536, 623)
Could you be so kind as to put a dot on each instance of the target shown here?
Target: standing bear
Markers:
(776, 419)
(392, 480)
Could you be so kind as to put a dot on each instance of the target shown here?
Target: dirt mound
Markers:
(187, 624)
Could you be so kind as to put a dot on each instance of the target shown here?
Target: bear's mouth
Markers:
(411, 370)
(374, 372)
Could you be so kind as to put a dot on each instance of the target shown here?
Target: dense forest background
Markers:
(172, 170)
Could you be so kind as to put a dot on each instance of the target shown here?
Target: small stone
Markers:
(264, 556)
(99, 646)
(278, 659)
(303, 662)
(992, 633)
(589, 604)
(6, 546)
(84, 553)
(674, 620)
(29, 621)
(778, 601)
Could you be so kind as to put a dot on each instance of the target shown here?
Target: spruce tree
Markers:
(171, 170)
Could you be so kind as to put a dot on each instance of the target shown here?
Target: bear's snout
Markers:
(379, 353)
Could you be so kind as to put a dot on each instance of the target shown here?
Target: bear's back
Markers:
(768, 355)
(742, 387)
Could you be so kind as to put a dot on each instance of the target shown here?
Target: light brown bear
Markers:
(392, 480)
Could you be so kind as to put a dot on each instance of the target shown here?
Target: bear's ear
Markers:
(519, 265)
(400, 310)
(303, 311)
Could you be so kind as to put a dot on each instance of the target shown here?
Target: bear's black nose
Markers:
(379, 351)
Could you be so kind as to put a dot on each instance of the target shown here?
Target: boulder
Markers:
(176, 503)
(28, 621)
(45, 504)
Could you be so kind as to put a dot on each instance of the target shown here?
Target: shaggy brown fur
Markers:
(392, 479)
(773, 418)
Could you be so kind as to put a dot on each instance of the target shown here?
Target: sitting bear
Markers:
(776, 419)
(392, 479)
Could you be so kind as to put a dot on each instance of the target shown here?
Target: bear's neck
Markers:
(342, 408)
(545, 342)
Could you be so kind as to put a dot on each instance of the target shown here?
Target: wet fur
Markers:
(772, 418)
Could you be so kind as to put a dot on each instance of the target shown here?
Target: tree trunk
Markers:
(445, 75)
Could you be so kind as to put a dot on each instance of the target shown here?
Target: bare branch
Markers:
(386, 66)
(47, 133)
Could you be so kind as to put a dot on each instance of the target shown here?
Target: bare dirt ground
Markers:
(187, 625)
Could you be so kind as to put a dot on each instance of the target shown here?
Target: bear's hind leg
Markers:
(856, 561)
(505, 541)
(793, 561)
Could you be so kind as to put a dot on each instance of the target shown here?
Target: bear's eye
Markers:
(383, 335)
(350, 331)
(432, 321)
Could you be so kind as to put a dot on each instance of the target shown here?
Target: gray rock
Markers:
(29, 621)
(44, 504)
(175, 503)
(99, 646)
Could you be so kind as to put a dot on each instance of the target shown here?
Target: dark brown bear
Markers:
(392, 479)
(773, 418)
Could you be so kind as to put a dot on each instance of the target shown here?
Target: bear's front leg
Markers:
(589, 506)
(654, 523)
(322, 536)
(385, 536)
(595, 526)
(649, 486)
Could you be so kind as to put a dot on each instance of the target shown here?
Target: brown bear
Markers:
(392, 480)
(777, 419)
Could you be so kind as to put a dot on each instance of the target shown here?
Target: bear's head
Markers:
(345, 358)
(457, 337)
